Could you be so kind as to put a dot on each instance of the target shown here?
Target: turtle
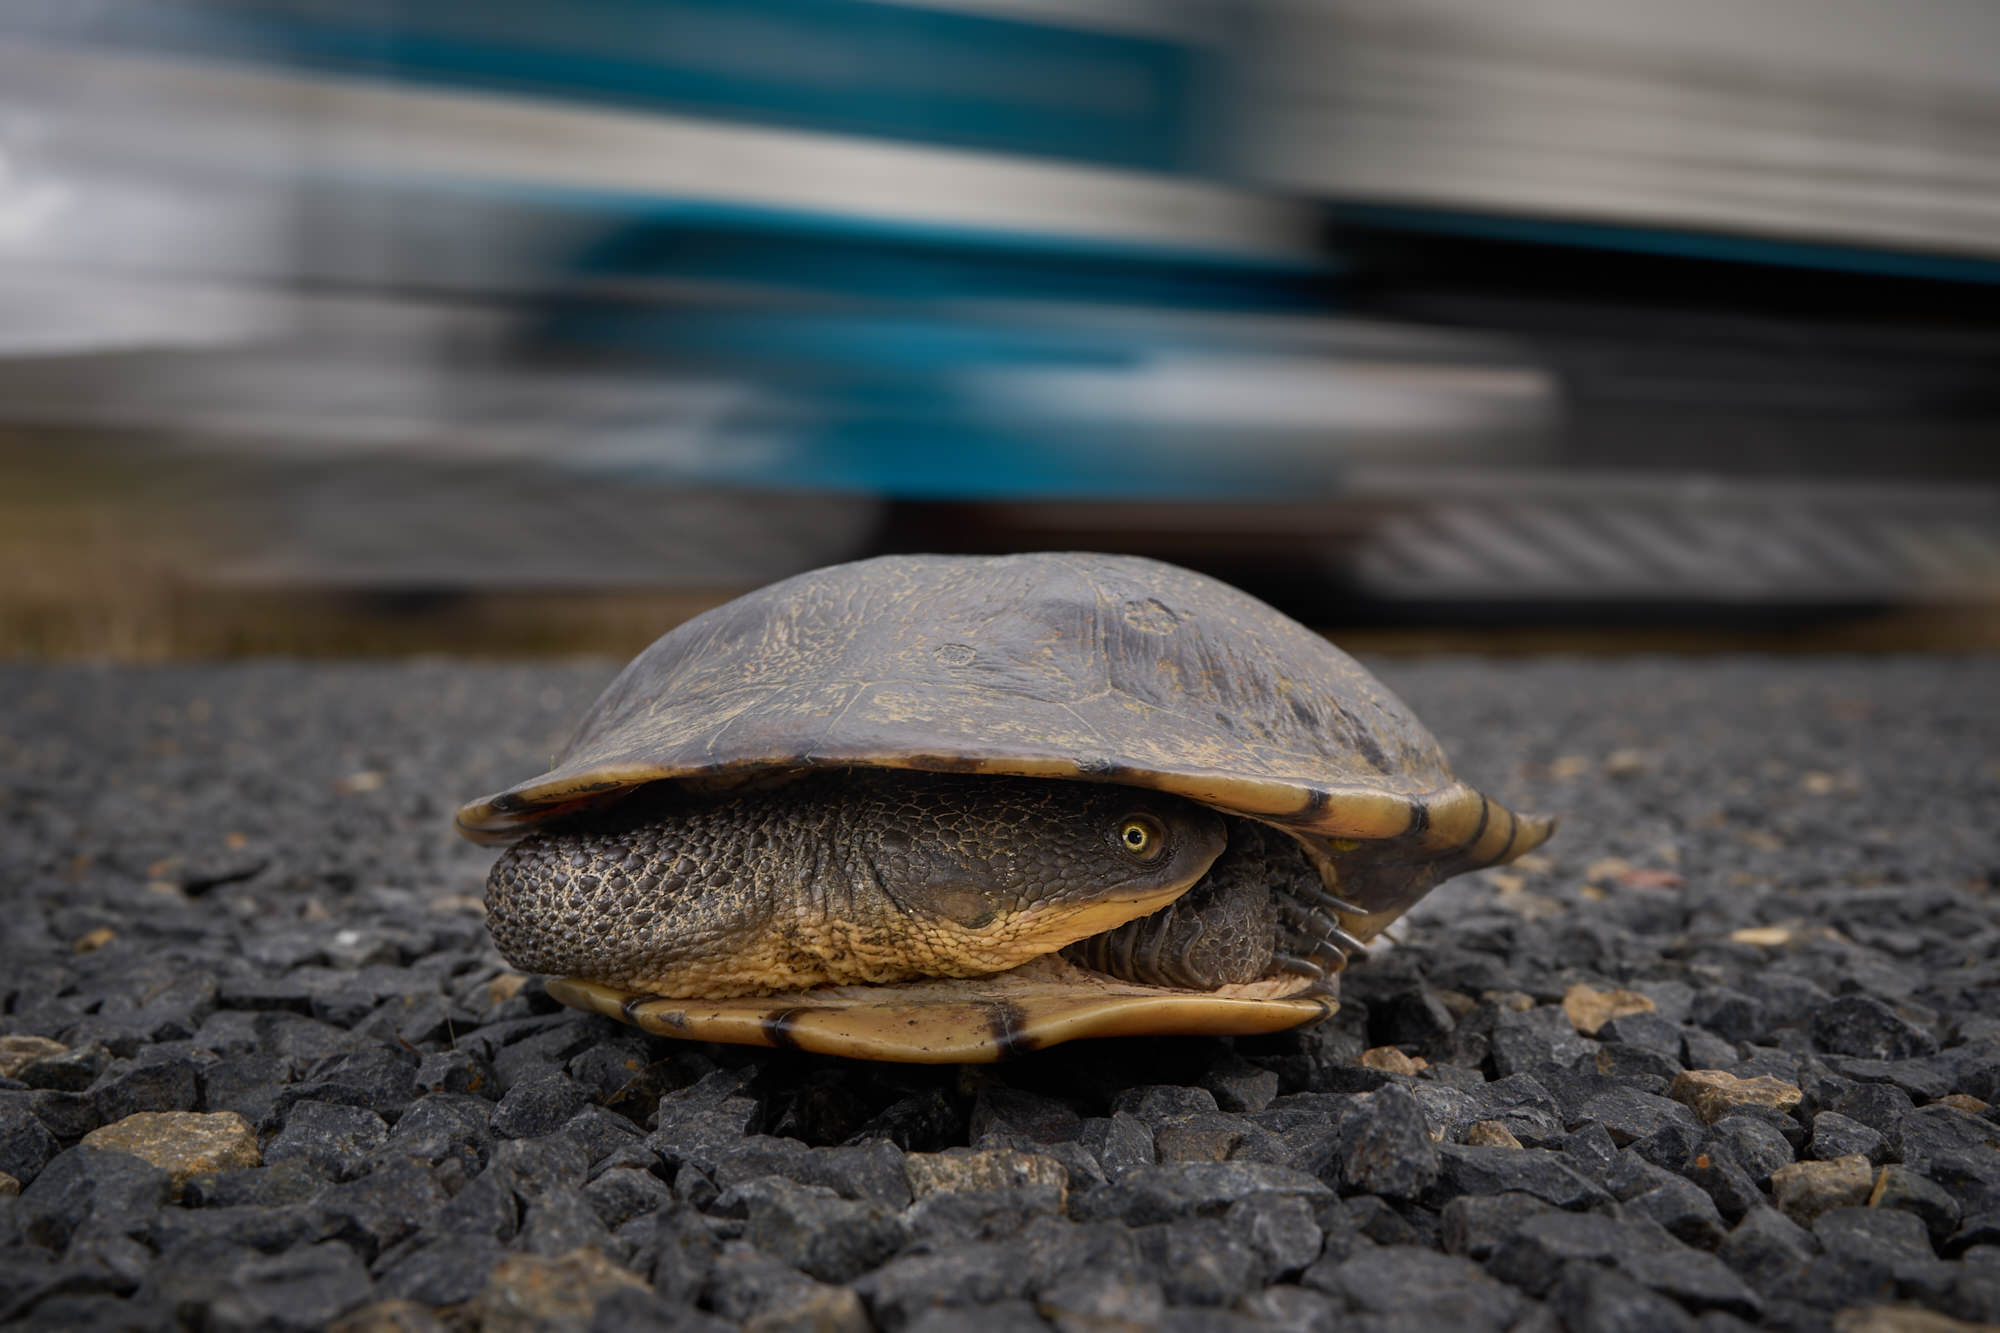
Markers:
(948, 808)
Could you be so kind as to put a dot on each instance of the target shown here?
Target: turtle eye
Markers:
(1141, 837)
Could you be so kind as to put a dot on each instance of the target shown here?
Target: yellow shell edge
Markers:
(948, 1022)
(1445, 818)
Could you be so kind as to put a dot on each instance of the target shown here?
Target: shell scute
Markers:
(1095, 667)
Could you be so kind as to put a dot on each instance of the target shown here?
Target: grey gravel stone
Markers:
(1533, 1258)
(159, 1085)
(680, 1255)
(604, 1134)
(1200, 1261)
(485, 1207)
(1385, 1146)
(1716, 1171)
(1296, 1309)
(560, 1221)
(538, 1105)
(1524, 1042)
(1587, 1296)
(447, 1126)
(1546, 1175)
(1900, 1188)
(1088, 1301)
(699, 1133)
(1971, 1176)
(1883, 1235)
(1009, 1316)
(25, 1144)
(623, 1193)
(1768, 1250)
(1536, 1257)
(1590, 1149)
(1238, 1085)
(1527, 1109)
(376, 1078)
(1628, 1175)
(1729, 1014)
(264, 1228)
(1682, 1208)
(1787, 999)
(71, 1071)
(873, 1171)
(1646, 1067)
(1769, 1062)
(533, 1167)
(83, 1186)
(1925, 1078)
(815, 1230)
(1698, 1281)
(1375, 1219)
(271, 1186)
(189, 1277)
(374, 1211)
(1575, 1085)
(1155, 1105)
(1702, 1049)
(753, 1158)
(67, 1115)
(1752, 1143)
(980, 1215)
(450, 1269)
(249, 1084)
(304, 1289)
(1936, 1131)
(1864, 1026)
(1658, 1128)
(1834, 1135)
(1015, 1118)
(1474, 1225)
(456, 1071)
(336, 1141)
(1280, 1228)
(1145, 1195)
(1425, 1287)
(907, 1286)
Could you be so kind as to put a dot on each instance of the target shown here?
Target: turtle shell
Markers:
(1076, 666)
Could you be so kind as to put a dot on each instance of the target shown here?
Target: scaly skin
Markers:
(847, 877)
(1220, 932)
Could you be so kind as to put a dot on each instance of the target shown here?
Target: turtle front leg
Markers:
(1234, 926)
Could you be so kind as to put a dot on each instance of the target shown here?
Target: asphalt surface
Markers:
(233, 892)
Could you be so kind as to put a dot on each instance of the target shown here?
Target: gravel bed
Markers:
(1724, 1055)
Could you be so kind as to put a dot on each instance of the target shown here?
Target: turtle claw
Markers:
(1327, 900)
(1298, 967)
(1349, 946)
(1326, 927)
(1338, 947)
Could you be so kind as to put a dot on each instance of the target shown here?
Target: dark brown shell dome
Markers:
(1067, 665)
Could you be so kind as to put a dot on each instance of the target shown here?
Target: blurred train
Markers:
(1571, 302)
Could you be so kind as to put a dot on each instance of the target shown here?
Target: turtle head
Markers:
(985, 873)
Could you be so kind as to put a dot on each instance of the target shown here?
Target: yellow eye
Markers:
(1141, 837)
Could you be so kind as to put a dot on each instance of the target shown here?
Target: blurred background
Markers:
(530, 326)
